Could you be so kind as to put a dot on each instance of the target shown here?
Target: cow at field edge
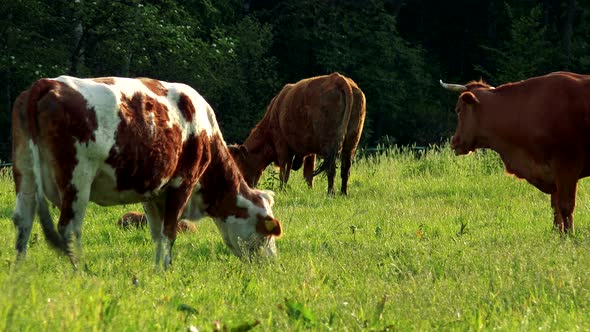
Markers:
(322, 115)
(540, 128)
(119, 141)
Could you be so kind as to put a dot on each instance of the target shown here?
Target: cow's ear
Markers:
(269, 226)
(469, 98)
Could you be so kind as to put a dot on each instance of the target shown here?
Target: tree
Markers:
(526, 53)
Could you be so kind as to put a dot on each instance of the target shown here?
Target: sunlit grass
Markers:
(424, 241)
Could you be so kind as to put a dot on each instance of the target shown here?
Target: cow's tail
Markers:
(346, 89)
(326, 162)
(36, 92)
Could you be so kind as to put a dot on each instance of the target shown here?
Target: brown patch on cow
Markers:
(105, 80)
(146, 150)
(186, 107)
(269, 226)
(195, 158)
(155, 86)
(221, 183)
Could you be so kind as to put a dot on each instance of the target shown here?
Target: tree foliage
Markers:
(239, 53)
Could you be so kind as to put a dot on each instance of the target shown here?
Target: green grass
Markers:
(429, 242)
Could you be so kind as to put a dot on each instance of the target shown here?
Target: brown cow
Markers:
(322, 115)
(119, 141)
(540, 128)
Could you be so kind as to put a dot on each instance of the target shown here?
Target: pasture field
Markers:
(429, 242)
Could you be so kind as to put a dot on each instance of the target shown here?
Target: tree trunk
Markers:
(568, 32)
(77, 57)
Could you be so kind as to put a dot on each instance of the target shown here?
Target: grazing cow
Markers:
(119, 141)
(136, 219)
(322, 116)
(540, 128)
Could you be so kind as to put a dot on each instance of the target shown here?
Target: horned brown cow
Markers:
(322, 116)
(119, 141)
(538, 126)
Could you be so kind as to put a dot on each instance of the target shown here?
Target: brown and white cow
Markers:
(540, 128)
(119, 141)
(322, 116)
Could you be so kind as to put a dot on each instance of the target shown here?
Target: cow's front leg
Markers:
(557, 220)
(566, 202)
(176, 199)
(154, 211)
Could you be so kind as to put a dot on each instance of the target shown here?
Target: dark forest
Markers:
(238, 54)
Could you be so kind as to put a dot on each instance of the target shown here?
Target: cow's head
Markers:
(248, 163)
(253, 232)
(465, 139)
(245, 221)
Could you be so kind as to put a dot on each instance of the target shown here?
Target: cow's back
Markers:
(312, 114)
(551, 111)
(125, 136)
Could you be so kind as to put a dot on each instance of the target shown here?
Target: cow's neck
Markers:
(500, 133)
(221, 183)
(261, 141)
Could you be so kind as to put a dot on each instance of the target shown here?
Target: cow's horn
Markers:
(453, 87)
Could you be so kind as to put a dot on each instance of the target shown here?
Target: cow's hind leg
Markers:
(346, 162)
(24, 213)
(330, 161)
(72, 211)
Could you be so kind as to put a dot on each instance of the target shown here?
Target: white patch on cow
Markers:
(202, 120)
(252, 208)
(152, 123)
(104, 99)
